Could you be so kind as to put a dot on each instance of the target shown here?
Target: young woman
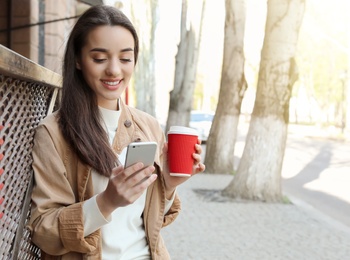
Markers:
(86, 205)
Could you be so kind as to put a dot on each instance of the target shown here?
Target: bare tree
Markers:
(146, 20)
(181, 96)
(223, 133)
(259, 172)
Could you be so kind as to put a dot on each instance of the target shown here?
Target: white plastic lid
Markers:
(182, 130)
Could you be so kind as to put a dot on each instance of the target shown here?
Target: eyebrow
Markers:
(105, 50)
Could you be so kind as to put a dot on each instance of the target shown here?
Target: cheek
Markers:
(91, 71)
(130, 70)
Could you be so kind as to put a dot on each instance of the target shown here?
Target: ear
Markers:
(77, 65)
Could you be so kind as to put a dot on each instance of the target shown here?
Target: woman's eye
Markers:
(126, 60)
(99, 60)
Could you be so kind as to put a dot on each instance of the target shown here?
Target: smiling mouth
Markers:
(111, 83)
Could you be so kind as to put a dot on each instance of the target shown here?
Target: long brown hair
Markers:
(79, 116)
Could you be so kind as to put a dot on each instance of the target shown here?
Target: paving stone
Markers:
(213, 227)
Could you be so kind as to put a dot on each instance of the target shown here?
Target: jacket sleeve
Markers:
(56, 222)
(173, 212)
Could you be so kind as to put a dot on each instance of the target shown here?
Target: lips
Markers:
(111, 84)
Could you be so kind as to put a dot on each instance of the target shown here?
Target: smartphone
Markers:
(140, 152)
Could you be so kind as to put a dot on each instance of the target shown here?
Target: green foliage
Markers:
(198, 95)
(286, 200)
(323, 55)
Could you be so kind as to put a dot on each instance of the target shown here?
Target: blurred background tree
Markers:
(181, 96)
(223, 133)
(259, 172)
(145, 14)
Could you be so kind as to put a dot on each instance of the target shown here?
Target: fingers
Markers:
(198, 148)
(137, 173)
(122, 174)
(127, 185)
(143, 184)
(117, 170)
(198, 166)
(125, 179)
(120, 194)
(138, 182)
(197, 156)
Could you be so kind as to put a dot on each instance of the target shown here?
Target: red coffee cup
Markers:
(181, 146)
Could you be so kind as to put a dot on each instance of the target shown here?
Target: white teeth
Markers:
(113, 83)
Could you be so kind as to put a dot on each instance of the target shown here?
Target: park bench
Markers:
(28, 92)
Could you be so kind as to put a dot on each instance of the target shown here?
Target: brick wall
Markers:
(20, 39)
(56, 33)
(27, 41)
(3, 22)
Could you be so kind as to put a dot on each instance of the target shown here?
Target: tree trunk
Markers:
(259, 172)
(146, 20)
(221, 142)
(181, 96)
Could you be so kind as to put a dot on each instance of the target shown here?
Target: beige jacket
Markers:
(63, 183)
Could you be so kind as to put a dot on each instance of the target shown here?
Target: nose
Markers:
(113, 68)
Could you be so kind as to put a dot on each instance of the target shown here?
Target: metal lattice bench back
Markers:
(27, 94)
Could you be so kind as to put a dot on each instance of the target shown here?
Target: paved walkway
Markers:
(215, 228)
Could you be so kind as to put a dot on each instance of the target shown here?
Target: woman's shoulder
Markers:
(50, 121)
(142, 116)
(49, 130)
(50, 125)
(147, 123)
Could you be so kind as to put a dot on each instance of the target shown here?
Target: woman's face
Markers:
(107, 63)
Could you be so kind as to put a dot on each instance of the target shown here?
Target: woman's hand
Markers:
(171, 182)
(124, 187)
(198, 166)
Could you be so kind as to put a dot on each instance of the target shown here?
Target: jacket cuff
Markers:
(170, 202)
(72, 230)
(173, 212)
